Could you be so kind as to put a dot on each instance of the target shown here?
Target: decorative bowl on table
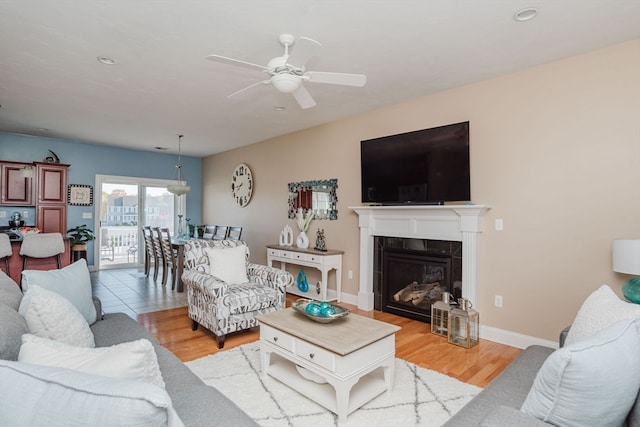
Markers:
(322, 312)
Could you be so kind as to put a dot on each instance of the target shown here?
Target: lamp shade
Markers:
(26, 172)
(178, 189)
(626, 256)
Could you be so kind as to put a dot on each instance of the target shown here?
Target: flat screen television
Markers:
(429, 166)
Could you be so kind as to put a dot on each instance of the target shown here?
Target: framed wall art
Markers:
(80, 195)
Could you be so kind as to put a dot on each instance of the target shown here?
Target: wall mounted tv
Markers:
(429, 166)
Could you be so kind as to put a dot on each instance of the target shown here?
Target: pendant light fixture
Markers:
(180, 187)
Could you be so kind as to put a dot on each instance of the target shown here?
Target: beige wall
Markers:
(555, 152)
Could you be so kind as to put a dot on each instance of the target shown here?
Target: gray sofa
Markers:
(196, 403)
(498, 405)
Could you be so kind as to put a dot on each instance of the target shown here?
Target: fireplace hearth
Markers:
(413, 273)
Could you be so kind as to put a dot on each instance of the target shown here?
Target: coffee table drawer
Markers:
(316, 355)
(279, 338)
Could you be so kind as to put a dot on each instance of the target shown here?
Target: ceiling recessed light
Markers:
(525, 14)
(279, 108)
(106, 60)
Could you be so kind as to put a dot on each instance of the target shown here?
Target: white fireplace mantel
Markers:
(461, 223)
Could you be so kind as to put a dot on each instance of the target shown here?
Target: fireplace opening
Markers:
(413, 281)
(412, 274)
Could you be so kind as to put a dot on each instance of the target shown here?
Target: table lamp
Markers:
(626, 259)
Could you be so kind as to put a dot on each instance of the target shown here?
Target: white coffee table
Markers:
(350, 361)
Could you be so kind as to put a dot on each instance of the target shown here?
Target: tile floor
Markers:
(130, 291)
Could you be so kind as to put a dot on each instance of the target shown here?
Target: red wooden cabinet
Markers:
(52, 219)
(52, 197)
(17, 190)
(52, 183)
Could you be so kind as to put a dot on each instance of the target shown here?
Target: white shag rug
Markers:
(420, 397)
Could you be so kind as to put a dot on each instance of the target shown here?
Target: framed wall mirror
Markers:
(318, 196)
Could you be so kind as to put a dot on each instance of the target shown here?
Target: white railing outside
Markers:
(119, 244)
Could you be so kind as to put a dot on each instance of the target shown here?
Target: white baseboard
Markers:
(513, 339)
(347, 298)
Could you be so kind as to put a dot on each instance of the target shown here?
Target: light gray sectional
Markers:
(499, 404)
(196, 403)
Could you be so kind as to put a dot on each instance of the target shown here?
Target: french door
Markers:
(125, 205)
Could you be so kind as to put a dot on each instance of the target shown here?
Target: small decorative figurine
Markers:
(286, 236)
(320, 240)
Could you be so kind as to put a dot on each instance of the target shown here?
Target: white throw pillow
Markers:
(135, 360)
(49, 315)
(72, 282)
(595, 379)
(228, 264)
(601, 309)
(35, 395)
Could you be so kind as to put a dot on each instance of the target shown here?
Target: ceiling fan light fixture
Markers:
(285, 83)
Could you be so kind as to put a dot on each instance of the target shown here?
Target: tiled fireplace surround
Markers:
(446, 252)
(457, 223)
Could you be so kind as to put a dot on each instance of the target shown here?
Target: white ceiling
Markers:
(162, 85)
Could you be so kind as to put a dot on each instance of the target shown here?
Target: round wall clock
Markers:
(242, 185)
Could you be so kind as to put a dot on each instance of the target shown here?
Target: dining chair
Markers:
(234, 233)
(5, 251)
(149, 252)
(209, 231)
(169, 260)
(157, 249)
(220, 232)
(42, 245)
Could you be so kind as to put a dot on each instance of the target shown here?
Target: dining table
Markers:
(178, 245)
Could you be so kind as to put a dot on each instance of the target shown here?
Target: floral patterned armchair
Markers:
(222, 307)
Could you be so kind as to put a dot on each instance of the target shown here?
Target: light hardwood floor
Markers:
(478, 365)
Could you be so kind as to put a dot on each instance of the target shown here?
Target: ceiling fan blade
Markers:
(303, 97)
(231, 61)
(344, 79)
(263, 82)
(303, 50)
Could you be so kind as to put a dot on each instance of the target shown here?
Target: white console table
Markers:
(323, 261)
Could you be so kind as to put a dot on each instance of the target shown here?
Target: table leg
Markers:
(265, 359)
(389, 371)
(343, 389)
(325, 285)
(180, 267)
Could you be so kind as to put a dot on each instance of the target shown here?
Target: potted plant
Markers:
(79, 236)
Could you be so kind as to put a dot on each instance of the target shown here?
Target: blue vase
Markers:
(631, 290)
(303, 285)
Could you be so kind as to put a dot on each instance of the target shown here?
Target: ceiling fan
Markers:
(287, 72)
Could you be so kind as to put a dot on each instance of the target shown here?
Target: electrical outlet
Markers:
(499, 224)
(3, 214)
(25, 214)
(350, 274)
(498, 301)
